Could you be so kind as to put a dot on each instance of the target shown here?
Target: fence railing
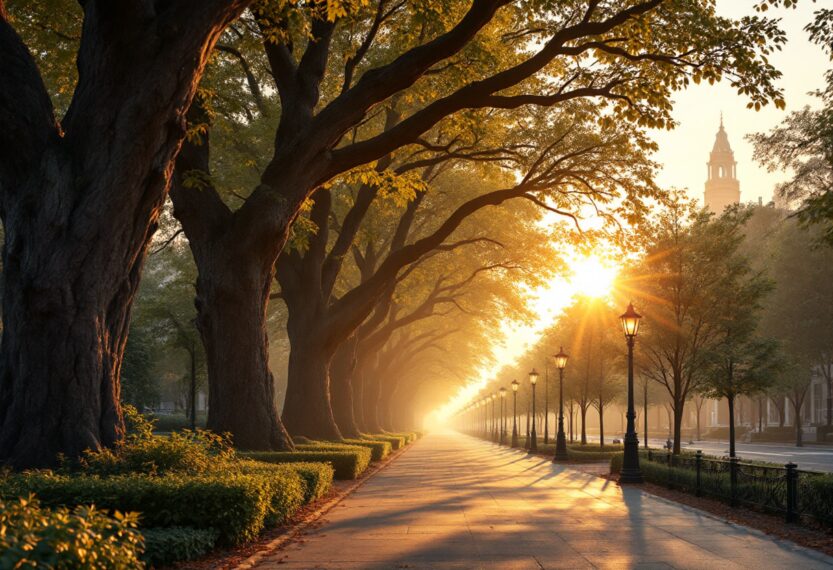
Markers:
(786, 490)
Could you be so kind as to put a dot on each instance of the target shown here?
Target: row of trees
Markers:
(281, 130)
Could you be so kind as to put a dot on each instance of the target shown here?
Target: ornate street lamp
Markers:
(630, 466)
(515, 413)
(533, 441)
(547, 403)
(492, 397)
(502, 439)
(560, 438)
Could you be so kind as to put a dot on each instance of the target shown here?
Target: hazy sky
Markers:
(684, 151)
(683, 155)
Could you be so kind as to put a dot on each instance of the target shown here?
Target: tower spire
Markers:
(722, 186)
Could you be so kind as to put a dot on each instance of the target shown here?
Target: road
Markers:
(454, 502)
(810, 457)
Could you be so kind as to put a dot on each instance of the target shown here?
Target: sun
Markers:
(591, 277)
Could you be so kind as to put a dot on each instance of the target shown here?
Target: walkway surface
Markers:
(454, 502)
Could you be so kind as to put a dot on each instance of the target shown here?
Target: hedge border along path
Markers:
(379, 448)
(348, 464)
(235, 505)
(251, 562)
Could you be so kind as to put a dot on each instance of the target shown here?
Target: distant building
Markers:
(722, 185)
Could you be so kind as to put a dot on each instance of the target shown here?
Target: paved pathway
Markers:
(453, 502)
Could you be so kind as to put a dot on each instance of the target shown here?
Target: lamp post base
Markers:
(630, 476)
(560, 447)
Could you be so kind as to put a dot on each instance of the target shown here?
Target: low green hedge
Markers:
(164, 546)
(317, 478)
(379, 449)
(287, 488)
(35, 537)
(347, 464)
(396, 441)
(579, 456)
(235, 505)
(409, 436)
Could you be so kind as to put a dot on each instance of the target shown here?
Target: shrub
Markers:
(347, 464)
(287, 489)
(236, 505)
(722, 433)
(318, 478)
(409, 437)
(379, 449)
(141, 451)
(396, 441)
(164, 546)
(32, 537)
(590, 447)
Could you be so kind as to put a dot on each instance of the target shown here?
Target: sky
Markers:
(682, 156)
(684, 151)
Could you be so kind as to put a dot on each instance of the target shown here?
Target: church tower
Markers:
(722, 186)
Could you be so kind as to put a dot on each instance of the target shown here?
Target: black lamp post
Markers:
(533, 438)
(515, 413)
(546, 403)
(645, 410)
(493, 432)
(560, 438)
(630, 466)
(502, 439)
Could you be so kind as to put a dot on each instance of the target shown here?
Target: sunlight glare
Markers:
(591, 277)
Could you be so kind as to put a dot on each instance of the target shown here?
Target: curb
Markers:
(274, 545)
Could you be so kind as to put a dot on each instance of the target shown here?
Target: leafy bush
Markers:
(396, 441)
(164, 546)
(318, 478)
(409, 437)
(363, 450)
(33, 537)
(815, 496)
(379, 449)
(616, 463)
(287, 488)
(347, 464)
(141, 451)
(236, 505)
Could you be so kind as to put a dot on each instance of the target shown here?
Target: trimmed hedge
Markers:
(317, 478)
(164, 546)
(347, 464)
(379, 449)
(396, 441)
(287, 489)
(408, 436)
(233, 504)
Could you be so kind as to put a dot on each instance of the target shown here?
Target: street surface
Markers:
(455, 502)
(810, 457)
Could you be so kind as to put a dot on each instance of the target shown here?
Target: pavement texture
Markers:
(454, 502)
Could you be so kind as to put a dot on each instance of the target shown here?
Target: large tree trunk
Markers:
(372, 393)
(231, 305)
(342, 369)
(601, 424)
(235, 272)
(79, 205)
(583, 413)
(307, 410)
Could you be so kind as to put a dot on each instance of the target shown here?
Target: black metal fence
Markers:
(786, 490)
